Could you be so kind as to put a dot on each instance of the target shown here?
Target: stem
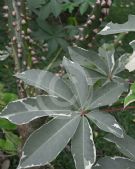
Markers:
(54, 59)
(15, 28)
(113, 109)
(16, 60)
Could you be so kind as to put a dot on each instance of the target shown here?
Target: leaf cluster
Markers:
(71, 103)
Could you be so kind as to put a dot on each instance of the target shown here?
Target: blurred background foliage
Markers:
(47, 53)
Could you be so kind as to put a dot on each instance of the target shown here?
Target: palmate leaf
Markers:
(47, 82)
(44, 8)
(26, 110)
(47, 142)
(54, 35)
(114, 162)
(125, 145)
(52, 7)
(113, 28)
(68, 105)
(102, 65)
(82, 146)
(106, 122)
(34, 4)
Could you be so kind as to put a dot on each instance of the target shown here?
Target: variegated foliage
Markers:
(103, 66)
(71, 103)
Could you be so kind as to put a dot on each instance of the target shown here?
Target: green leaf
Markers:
(130, 98)
(106, 95)
(47, 142)
(125, 145)
(34, 4)
(70, 6)
(106, 122)
(54, 35)
(44, 12)
(78, 77)
(44, 8)
(82, 146)
(10, 144)
(26, 110)
(113, 28)
(14, 139)
(114, 163)
(55, 7)
(52, 45)
(48, 82)
(83, 8)
(7, 146)
(46, 27)
(5, 124)
(63, 43)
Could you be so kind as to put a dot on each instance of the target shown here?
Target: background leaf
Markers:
(113, 28)
(114, 162)
(125, 145)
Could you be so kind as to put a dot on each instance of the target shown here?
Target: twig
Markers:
(113, 109)
(54, 59)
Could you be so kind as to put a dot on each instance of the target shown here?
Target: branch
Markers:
(54, 59)
(113, 109)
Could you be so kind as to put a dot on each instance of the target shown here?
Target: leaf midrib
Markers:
(45, 88)
(53, 136)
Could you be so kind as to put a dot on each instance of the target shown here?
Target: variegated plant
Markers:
(130, 98)
(100, 66)
(125, 145)
(70, 104)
